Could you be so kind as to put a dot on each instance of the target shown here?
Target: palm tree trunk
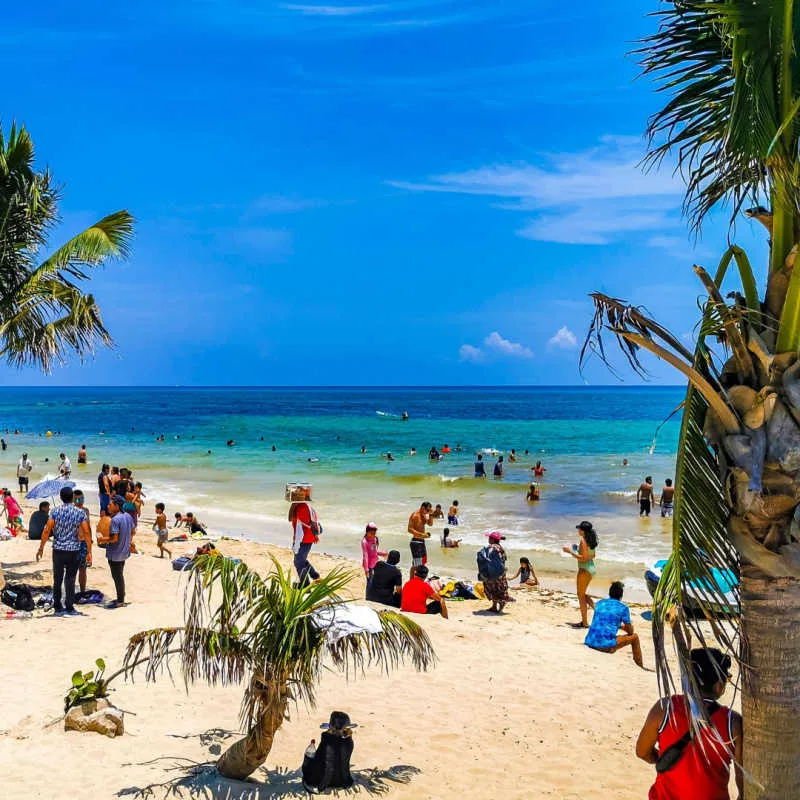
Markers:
(246, 755)
(771, 686)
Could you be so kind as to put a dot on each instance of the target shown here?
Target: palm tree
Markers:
(44, 315)
(731, 71)
(242, 628)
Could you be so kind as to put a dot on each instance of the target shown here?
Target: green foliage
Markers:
(87, 686)
(44, 314)
(242, 628)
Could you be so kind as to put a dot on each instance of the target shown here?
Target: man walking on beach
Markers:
(416, 527)
(118, 546)
(69, 527)
(667, 498)
(644, 495)
(305, 534)
(24, 467)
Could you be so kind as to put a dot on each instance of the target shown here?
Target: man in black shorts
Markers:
(645, 496)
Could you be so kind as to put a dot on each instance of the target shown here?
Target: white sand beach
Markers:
(516, 706)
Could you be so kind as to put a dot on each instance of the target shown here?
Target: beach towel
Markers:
(345, 619)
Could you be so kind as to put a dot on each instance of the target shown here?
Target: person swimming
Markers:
(533, 493)
(447, 541)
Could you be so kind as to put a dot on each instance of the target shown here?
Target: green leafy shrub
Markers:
(86, 686)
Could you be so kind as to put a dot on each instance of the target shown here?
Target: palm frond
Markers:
(730, 71)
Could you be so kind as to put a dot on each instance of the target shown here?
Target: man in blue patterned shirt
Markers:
(69, 526)
(610, 615)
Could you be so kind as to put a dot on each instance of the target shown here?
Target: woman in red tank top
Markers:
(702, 772)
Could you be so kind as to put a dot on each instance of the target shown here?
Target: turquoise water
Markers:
(581, 435)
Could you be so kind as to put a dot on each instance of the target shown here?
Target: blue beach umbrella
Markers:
(47, 489)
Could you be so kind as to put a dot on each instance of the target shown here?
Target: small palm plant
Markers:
(241, 628)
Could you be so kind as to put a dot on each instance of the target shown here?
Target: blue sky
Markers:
(410, 192)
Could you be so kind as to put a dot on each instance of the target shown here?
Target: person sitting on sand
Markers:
(438, 513)
(701, 765)
(533, 493)
(447, 541)
(387, 581)
(194, 525)
(452, 514)
(179, 520)
(38, 520)
(525, 573)
(417, 592)
(329, 766)
(610, 615)
(160, 527)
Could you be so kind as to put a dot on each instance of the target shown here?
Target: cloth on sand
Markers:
(345, 619)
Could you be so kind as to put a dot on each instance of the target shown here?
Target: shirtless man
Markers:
(644, 495)
(667, 498)
(416, 527)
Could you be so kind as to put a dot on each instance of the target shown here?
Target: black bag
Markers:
(674, 753)
(490, 564)
(18, 596)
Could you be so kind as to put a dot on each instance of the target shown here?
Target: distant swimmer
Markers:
(667, 498)
(624, 462)
(230, 443)
(447, 541)
(438, 512)
(446, 449)
(512, 457)
(644, 495)
(313, 460)
(538, 470)
(480, 467)
(363, 449)
(498, 468)
(434, 454)
(273, 448)
(82, 454)
(458, 447)
(404, 415)
(533, 493)
(389, 457)
(412, 451)
(452, 514)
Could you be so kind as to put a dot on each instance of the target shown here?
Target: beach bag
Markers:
(90, 596)
(18, 596)
(490, 564)
(182, 563)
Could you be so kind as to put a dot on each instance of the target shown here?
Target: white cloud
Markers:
(469, 353)
(494, 345)
(494, 341)
(330, 11)
(593, 196)
(563, 339)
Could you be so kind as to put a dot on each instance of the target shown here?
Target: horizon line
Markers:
(349, 386)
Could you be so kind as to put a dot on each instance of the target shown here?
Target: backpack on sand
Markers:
(18, 596)
(490, 564)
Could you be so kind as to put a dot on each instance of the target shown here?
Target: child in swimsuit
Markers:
(527, 577)
(160, 528)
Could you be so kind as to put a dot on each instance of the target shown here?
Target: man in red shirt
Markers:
(304, 535)
(416, 593)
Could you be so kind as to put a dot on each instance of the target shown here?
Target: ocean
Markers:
(581, 435)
